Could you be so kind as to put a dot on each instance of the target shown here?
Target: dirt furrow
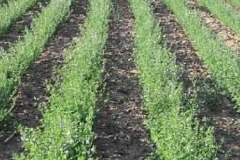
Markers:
(17, 30)
(120, 133)
(228, 36)
(32, 89)
(196, 79)
(230, 4)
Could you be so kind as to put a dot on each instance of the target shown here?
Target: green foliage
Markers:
(235, 3)
(3, 1)
(176, 134)
(22, 54)
(225, 13)
(11, 11)
(67, 123)
(222, 63)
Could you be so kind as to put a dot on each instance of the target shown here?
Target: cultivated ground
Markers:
(123, 125)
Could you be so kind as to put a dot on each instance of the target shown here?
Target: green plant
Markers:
(3, 1)
(176, 134)
(207, 94)
(224, 66)
(20, 28)
(12, 11)
(235, 2)
(16, 60)
(67, 123)
(225, 13)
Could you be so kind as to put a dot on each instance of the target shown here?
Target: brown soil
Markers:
(17, 30)
(228, 36)
(196, 79)
(230, 4)
(32, 90)
(120, 133)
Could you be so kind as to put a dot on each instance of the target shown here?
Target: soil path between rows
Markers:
(196, 79)
(231, 4)
(17, 30)
(32, 90)
(229, 37)
(120, 133)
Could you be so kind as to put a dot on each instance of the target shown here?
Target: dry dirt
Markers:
(120, 133)
(230, 4)
(17, 30)
(213, 104)
(32, 89)
(228, 36)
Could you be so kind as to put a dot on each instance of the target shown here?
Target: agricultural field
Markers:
(119, 79)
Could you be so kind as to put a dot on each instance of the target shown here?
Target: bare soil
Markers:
(119, 128)
(17, 30)
(230, 4)
(229, 37)
(196, 79)
(32, 89)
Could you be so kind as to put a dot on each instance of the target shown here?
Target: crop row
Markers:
(235, 2)
(14, 62)
(171, 129)
(10, 13)
(68, 121)
(2, 1)
(225, 13)
(66, 131)
(222, 63)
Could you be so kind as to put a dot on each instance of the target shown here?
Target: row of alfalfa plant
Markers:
(17, 59)
(173, 130)
(68, 122)
(69, 119)
(12, 10)
(222, 63)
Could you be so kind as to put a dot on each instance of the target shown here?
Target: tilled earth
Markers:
(119, 127)
(32, 89)
(230, 4)
(228, 36)
(120, 133)
(17, 30)
(196, 79)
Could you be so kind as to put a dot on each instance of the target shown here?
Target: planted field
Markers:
(234, 3)
(224, 33)
(17, 30)
(119, 79)
(10, 12)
